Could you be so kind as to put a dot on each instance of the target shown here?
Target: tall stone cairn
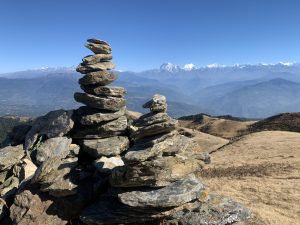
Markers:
(101, 125)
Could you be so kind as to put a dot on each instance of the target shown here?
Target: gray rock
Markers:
(108, 210)
(99, 48)
(177, 144)
(90, 116)
(105, 165)
(101, 66)
(158, 172)
(105, 147)
(104, 90)
(98, 78)
(158, 103)
(107, 103)
(7, 191)
(53, 124)
(152, 118)
(32, 207)
(53, 147)
(177, 193)
(217, 210)
(112, 128)
(154, 129)
(152, 140)
(56, 177)
(97, 41)
(10, 156)
(92, 59)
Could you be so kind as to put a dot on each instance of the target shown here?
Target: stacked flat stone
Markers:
(101, 124)
(159, 155)
(158, 171)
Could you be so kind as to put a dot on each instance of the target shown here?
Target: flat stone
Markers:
(177, 193)
(105, 147)
(154, 129)
(158, 172)
(53, 124)
(89, 116)
(99, 48)
(55, 176)
(152, 140)
(101, 66)
(10, 156)
(112, 128)
(108, 210)
(158, 103)
(177, 144)
(53, 147)
(104, 90)
(100, 78)
(107, 103)
(92, 59)
(97, 41)
(105, 165)
(152, 118)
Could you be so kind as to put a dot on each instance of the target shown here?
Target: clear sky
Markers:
(146, 33)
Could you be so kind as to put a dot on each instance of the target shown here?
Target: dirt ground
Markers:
(261, 171)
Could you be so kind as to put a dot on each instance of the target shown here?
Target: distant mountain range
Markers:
(249, 91)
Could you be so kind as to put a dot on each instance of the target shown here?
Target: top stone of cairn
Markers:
(157, 104)
(98, 46)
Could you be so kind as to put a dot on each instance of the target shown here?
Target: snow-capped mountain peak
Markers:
(170, 67)
(215, 65)
(189, 67)
(287, 63)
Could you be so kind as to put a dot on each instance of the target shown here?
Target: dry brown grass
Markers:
(262, 171)
(224, 128)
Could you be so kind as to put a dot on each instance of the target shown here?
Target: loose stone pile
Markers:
(14, 167)
(102, 124)
(92, 166)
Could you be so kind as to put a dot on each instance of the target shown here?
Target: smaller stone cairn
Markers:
(101, 124)
(157, 179)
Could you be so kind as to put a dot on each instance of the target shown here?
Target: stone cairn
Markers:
(102, 124)
(91, 166)
(157, 181)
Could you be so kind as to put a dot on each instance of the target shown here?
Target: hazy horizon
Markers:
(183, 67)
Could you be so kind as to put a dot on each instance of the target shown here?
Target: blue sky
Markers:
(146, 33)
